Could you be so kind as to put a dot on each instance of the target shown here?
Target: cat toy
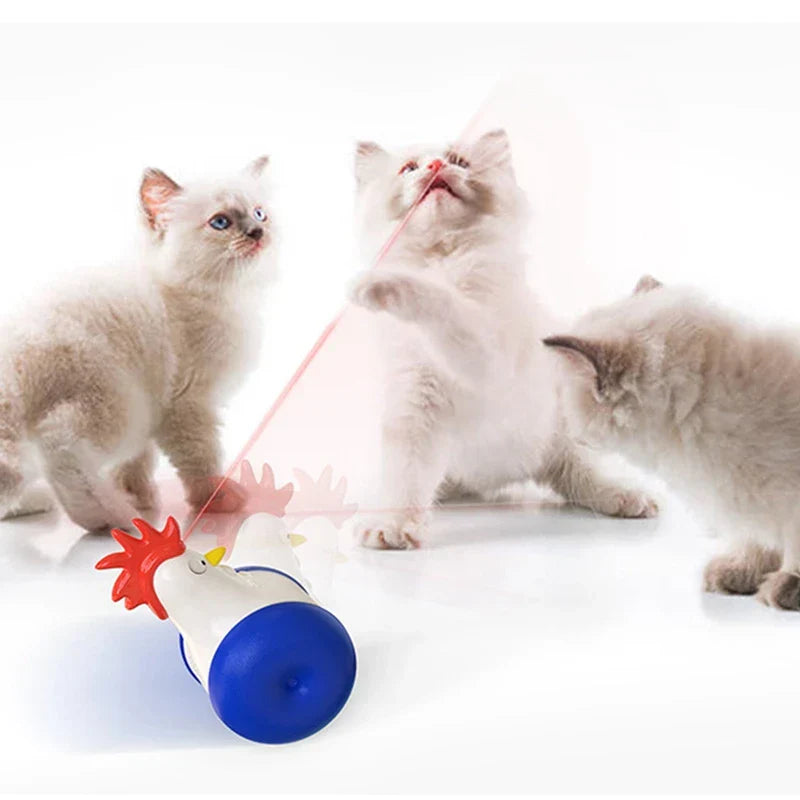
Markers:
(276, 665)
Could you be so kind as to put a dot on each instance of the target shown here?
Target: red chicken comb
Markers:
(139, 560)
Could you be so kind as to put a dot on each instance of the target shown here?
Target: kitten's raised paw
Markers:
(781, 590)
(629, 505)
(390, 533)
(396, 294)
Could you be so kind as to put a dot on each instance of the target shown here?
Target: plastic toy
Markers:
(277, 666)
(315, 508)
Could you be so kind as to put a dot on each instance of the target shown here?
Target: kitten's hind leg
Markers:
(12, 480)
(567, 469)
(740, 572)
(454, 492)
(20, 495)
(70, 438)
(781, 589)
(35, 498)
(11, 485)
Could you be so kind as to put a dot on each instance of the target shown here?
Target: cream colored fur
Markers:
(711, 402)
(114, 366)
(470, 404)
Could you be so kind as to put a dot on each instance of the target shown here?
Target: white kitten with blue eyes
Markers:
(471, 399)
(110, 368)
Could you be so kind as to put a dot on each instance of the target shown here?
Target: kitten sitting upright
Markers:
(470, 400)
(102, 373)
(710, 402)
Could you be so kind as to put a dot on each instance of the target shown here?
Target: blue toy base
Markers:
(282, 673)
(249, 568)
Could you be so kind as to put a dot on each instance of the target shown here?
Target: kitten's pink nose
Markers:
(436, 164)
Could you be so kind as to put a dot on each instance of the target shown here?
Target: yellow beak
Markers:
(215, 556)
(296, 539)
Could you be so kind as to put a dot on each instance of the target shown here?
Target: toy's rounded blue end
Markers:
(254, 568)
(282, 673)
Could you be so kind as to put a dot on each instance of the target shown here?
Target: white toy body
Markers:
(263, 539)
(236, 596)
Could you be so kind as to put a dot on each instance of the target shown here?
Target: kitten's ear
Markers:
(155, 192)
(368, 160)
(493, 149)
(607, 364)
(585, 356)
(256, 168)
(646, 284)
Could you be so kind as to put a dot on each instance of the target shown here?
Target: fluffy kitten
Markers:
(91, 382)
(710, 402)
(470, 401)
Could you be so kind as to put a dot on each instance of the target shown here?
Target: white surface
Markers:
(541, 651)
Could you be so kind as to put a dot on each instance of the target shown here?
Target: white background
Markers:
(530, 651)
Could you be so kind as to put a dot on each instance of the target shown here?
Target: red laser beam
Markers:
(320, 342)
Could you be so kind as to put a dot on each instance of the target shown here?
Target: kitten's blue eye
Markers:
(259, 213)
(219, 222)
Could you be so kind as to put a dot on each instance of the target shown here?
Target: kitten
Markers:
(104, 372)
(710, 402)
(470, 405)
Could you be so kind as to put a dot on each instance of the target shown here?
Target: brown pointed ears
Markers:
(581, 353)
(156, 191)
(369, 159)
(256, 167)
(493, 149)
(646, 284)
(598, 361)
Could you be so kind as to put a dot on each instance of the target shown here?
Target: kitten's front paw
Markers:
(629, 505)
(397, 294)
(781, 590)
(740, 573)
(101, 520)
(226, 499)
(729, 575)
(391, 533)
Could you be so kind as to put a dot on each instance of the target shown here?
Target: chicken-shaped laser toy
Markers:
(277, 666)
